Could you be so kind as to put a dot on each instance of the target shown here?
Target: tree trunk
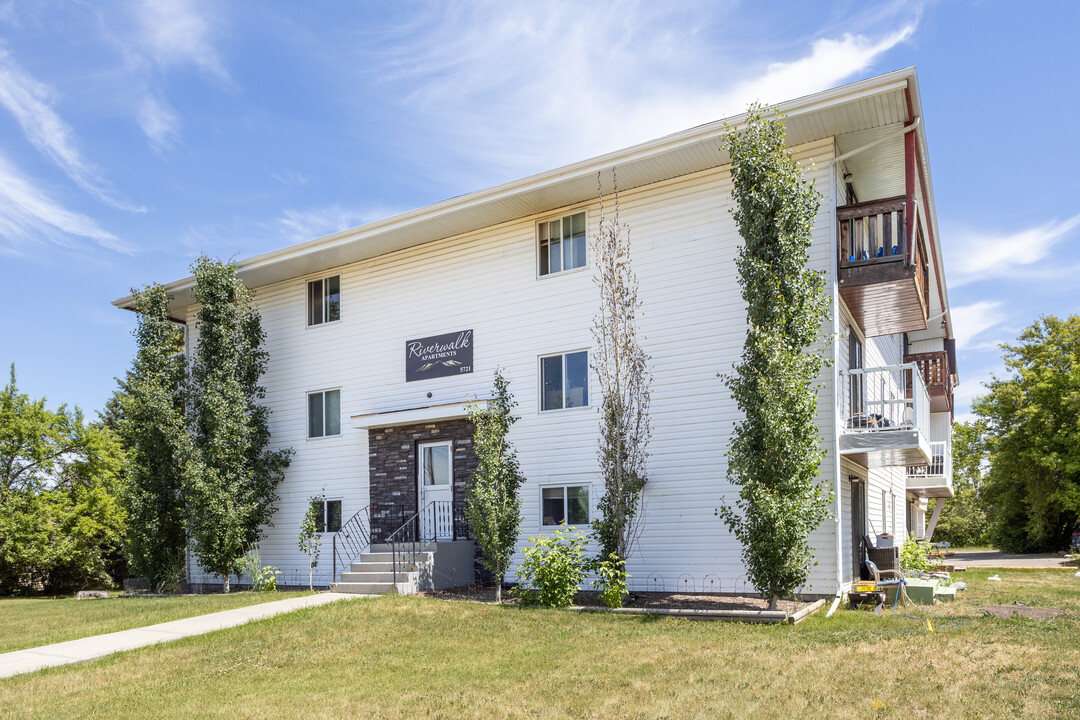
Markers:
(773, 602)
(310, 571)
(225, 579)
(498, 590)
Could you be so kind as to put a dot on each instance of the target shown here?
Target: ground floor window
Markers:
(328, 516)
(565, 504)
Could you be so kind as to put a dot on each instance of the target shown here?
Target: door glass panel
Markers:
(436, 465)
(553, 506)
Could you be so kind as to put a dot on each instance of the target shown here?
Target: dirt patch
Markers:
(651, 600)
(1035, 613)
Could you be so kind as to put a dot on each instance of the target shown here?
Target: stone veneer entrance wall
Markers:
(392, 457)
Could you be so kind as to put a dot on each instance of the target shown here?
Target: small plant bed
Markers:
(736, 607)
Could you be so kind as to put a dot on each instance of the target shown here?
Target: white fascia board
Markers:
(792, 108)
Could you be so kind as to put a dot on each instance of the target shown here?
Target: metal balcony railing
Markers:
(886, 398)
(940, 463)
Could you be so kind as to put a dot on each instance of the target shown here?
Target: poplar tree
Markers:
(230, 476)
(776, 450)
(622, 367)
(492, 505)
(150, 423)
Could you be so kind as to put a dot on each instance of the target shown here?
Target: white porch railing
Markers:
(886, 398)
(940, 462)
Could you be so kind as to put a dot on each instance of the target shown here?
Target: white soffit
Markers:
(850, 110)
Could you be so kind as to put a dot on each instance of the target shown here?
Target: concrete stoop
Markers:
(440, 565)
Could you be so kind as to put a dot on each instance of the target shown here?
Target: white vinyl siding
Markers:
(692, 324)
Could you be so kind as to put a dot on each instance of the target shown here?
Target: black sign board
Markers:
(439, 356)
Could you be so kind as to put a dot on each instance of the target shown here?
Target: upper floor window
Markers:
(324, 300)
(564, 381)
(562, 244)
(324, 413)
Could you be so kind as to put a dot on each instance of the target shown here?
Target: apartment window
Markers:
(324, 413)
(324, 300)
(855, 362)
(327, 515)
(565, 504)
(564, 381)
(562, 244)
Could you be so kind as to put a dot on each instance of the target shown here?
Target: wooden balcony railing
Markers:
(872, 232)
(937, 377)
(884, 278)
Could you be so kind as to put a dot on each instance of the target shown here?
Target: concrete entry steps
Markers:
(438, 565)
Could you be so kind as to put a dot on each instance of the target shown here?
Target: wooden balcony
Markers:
(884, 280)
(937, 376)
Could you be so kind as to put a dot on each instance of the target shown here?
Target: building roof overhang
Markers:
(854, 114)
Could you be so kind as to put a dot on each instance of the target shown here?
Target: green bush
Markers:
(553, 569)
(263, 577)
(915, 557)
(611, 580)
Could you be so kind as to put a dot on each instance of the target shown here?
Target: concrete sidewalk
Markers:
(91, 648)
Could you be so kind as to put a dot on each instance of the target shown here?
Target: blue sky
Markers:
(134, 136)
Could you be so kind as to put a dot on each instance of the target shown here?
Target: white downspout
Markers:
(839, 536)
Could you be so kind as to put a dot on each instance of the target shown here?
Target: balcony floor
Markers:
(930, 486)
(886, 448)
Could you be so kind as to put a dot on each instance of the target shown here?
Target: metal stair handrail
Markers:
(353, 538)
(407, 542)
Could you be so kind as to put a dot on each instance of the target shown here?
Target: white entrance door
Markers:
(436, 473)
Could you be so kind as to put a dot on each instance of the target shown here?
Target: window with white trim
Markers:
(324, 300)
(324, 413)
(561, 244)
(564, 381)
(564, 504)
(327, 516)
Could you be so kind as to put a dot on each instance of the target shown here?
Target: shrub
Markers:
(263, 578)
(553, 569)
(611, 582)
(915, 557)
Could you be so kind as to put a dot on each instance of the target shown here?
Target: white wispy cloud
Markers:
(970, 321)
(159, 122)
(179, 32)
(28, 215)
(532, 85)
(300, 225)
(31, 102)
(977, 256)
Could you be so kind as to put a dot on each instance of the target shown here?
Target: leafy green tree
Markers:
(776, 450)
(492, 505)
(60, 521)
(230, 475)
(622, 367)
(1032, 421)
(308, 539)
(963, 520)
(149, 416)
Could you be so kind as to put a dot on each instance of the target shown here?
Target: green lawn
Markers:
(30, 622)
(404, 657)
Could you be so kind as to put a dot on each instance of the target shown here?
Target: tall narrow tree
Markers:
(230, 475)
(622, 367)
(776, 450)
(492, 505)
(150, 422)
